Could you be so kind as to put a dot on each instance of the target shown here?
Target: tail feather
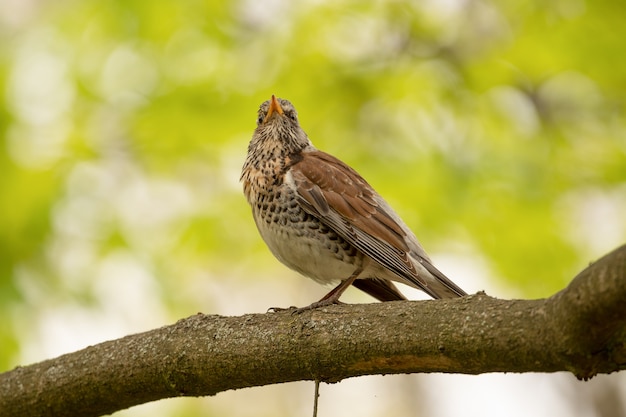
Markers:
(381, 289)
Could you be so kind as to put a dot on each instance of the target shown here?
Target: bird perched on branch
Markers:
(320, 218)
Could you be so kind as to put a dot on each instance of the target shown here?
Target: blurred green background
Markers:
(496, 130)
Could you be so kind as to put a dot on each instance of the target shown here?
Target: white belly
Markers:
(307, 255)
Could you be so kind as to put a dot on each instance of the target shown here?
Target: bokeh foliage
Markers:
(497, 130)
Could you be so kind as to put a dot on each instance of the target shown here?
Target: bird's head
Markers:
(278, 126)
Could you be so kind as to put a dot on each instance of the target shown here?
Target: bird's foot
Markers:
(279, 309)
(321, 303)
(299, 310)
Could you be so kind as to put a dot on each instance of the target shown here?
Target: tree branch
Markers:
(581, 329)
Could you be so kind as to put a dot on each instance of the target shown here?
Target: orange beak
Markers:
(274, 107)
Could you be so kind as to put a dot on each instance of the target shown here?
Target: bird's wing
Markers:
(340, 198)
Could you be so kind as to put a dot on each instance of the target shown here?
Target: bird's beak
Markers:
(274, 107)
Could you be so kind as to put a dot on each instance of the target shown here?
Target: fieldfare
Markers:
(320, 218)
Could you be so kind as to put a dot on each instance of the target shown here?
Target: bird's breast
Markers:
(296, 238)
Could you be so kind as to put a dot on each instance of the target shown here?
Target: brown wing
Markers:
(339, 197)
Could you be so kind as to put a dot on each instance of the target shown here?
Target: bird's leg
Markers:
(333, 296)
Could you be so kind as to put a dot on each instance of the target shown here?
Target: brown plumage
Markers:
(319, 217)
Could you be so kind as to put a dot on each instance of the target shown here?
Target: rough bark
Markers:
(581, 329)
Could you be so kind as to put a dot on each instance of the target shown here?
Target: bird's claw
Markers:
(279, 309)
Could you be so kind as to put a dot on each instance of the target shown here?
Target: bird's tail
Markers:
(381, 289)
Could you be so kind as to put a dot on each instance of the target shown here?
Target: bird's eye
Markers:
(292, 115)
(260, 119)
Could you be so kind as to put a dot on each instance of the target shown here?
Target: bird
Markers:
(319, 217)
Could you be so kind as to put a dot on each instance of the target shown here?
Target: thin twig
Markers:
(316, 396)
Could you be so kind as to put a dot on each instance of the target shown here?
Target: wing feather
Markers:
(339, 197)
